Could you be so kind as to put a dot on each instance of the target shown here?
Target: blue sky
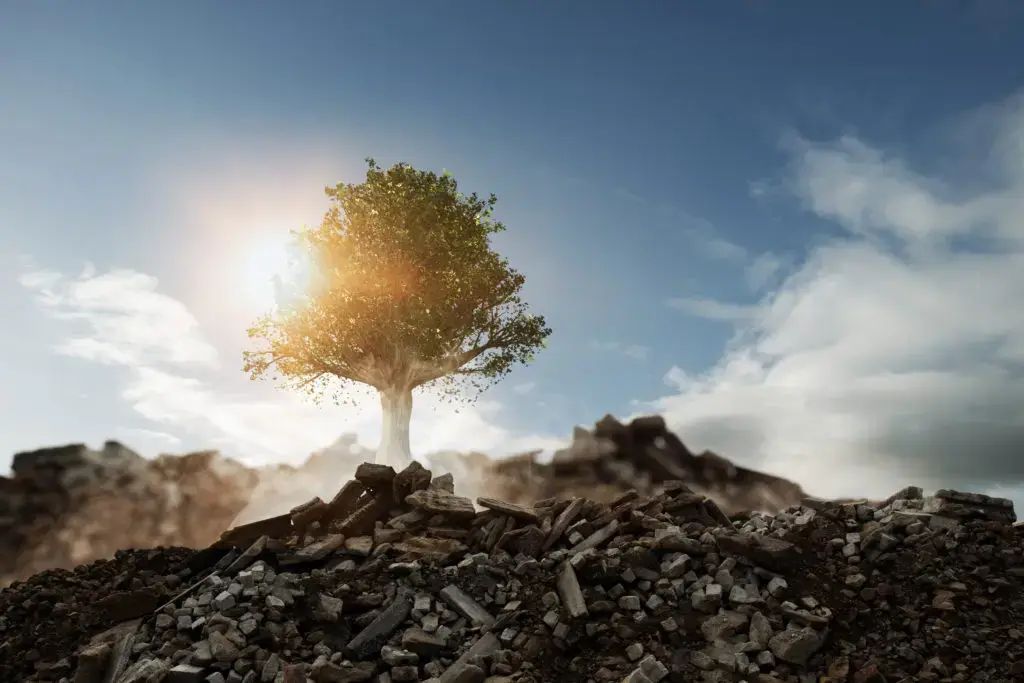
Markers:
(793, 227)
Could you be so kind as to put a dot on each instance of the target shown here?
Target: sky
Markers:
(794, 228)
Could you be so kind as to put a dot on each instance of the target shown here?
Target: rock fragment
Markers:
(371, 639)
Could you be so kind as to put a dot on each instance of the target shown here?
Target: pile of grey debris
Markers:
(642, 454)
(398, 580)
(70, 505)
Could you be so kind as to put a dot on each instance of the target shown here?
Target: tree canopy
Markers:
(406, 290)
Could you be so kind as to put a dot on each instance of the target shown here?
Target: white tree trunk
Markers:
(394, 450)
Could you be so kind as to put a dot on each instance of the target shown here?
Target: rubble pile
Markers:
(70, 505)
(641, 455)
(66, 506)
(396, 579)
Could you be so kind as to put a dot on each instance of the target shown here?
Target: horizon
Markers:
(794, 231)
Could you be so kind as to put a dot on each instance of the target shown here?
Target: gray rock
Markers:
(795, 645)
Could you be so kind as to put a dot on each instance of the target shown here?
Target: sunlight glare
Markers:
(270, 258)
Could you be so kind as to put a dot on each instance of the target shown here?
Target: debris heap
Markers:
(70, 505)
(641, 455)
(398, 580)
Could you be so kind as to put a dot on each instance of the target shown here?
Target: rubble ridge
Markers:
(68, 505)
(396, 578)
(640, 455)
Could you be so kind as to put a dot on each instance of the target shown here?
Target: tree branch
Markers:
(322, 367)
(451, 363)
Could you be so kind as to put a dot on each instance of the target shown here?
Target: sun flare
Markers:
(269, 264)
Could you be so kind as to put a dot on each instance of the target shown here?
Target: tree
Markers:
(405, 292)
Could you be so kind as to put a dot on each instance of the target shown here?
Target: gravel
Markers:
(396, 579)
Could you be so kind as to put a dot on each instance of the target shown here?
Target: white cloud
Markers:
(713, 310)
(634, 351)
(171, 377)
(893, 353)
(126, 320)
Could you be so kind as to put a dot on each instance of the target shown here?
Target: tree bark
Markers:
(394, 449)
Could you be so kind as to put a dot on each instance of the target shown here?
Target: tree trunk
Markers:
(394, 449)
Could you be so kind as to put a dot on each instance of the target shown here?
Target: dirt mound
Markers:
(397, 579)
(70, 505)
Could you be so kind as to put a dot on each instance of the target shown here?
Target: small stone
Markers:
(760, 630)
(795, 646)
(654, 669)
(722, 626)
(222, 649)
(184, 673)
(394, 656)
(224, 601)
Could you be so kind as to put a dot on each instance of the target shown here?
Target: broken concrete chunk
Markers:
(314, 552)
(520, 512)
(344, 501)
(371, 639)
(423, 546)
(415, 477)
(462, 603)
(307, 513)
(767, 551)
(445, 482)
(92, 662)
(795, 645)
(441, 503)
(185, 673)
(326, 607)
(376, 476)
(596, 539)
(486, 645)
(248, 556)
(567, 517)
(362, 521)
(359, 545)
(570, 593)
(528, 541)
(245, 534)
(146, 671)
(422, 643)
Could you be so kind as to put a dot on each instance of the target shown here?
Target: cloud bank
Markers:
(892, 354)
(174, 377)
